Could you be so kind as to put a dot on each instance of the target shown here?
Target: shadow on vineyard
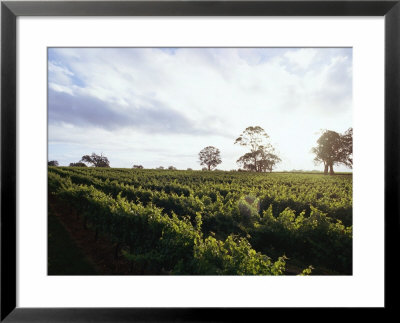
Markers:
(64, 256)
(169, 222)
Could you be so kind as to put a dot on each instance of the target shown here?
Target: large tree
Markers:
(96, 160)
(261, 155)
(210, 157)
(347, 148)
(52, 163)
(247, 162)
(334, 149)
(266, 160)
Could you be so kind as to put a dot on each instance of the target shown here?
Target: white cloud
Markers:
(53, 67)
(61, 88)
(301, 58)
(179, 101)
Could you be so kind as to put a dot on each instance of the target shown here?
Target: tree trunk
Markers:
(331, 172)
(209, 166)
(325, 169)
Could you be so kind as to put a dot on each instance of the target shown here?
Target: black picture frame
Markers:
(10, 10)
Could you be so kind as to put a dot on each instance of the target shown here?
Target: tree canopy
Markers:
(52, 163)
(96, 160)
(210, 157)
(334, 149)
(267, 160)
(262, 155)
(78, 164)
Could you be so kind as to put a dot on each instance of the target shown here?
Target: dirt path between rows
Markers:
(101, 252)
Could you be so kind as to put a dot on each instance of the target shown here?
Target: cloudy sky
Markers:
(161, 106)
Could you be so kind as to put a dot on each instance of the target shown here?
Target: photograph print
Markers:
(200, 161)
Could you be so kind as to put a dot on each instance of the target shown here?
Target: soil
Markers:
(101, 252)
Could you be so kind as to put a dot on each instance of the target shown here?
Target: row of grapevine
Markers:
(155, 242)
(273, 219)
(332, 195)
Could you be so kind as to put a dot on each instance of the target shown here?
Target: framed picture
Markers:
(219, 140)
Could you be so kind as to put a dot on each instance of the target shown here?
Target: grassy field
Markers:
(214, 222)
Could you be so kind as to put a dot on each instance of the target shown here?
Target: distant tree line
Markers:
(78, 164)
(332, 149)
(92, 160)
(260, 158)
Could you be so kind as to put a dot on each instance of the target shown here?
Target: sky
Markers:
(161, 106)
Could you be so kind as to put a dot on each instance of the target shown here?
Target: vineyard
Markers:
(214, 222)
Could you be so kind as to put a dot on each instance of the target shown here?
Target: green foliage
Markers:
(234, 256)
(333, 148)
(161, 217)
(96, 160)
(261, 157)
(249, 210)
(316, 238)
(210, 157)
(156, 242)
(78, 164)
(64, 257)
(306, 271)
(52, 163)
